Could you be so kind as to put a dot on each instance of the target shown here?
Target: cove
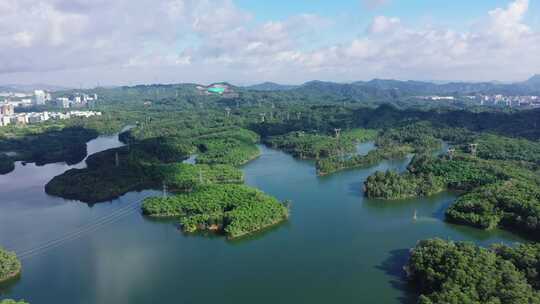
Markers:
(336, 247)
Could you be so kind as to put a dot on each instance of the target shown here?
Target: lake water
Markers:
(337, 247)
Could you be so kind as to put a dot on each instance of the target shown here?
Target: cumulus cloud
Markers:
(215, 38)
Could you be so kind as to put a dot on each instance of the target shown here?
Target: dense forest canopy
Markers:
(448, 272)
(236, 210)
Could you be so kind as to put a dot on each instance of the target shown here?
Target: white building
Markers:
(63, 102)
(39, 97)
(4, 121)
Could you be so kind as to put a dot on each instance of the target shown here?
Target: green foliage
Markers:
(50, 145)
(513, 204)
(460, 173)
(235, 209)
(186, 177)
(9, 301)
(334, 164)
(526, 258)
(234, 146)
(447, 272)
(102, 180)
(492, 146)
(393, 186)
(10, 266)
(315, 146)
(6, 164)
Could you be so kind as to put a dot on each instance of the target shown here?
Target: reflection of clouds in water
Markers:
(119, 272)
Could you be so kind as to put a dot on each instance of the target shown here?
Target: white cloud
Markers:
(190, 38)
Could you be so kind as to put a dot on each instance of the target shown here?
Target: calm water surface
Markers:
(337, 246)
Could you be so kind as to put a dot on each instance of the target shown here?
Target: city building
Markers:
(7, 109)
(63, 102)
(39, 97)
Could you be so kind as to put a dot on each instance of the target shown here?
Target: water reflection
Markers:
(337, 246)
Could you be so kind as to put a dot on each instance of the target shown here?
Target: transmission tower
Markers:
(164, 190)
(263, 117)
(228, 110)
(451, 153)
(338, 132)
(473, 148)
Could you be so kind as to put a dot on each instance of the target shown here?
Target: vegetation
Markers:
(393, 186)
(150, 162)
(448, 272)
(54, 145)
(513, 204)
(102, 180)
(491, 146)
(188, 178)
(54, 141)
(234, 209)
(6, 164)
(526, 258)
(316, 146)
(10, 266)
(333, 164)
(227, 150)
(497, 193)
(9, 301)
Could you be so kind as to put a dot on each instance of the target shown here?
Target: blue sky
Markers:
(247, 41)
(455, 13)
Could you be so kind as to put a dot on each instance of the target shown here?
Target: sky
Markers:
(125, 42)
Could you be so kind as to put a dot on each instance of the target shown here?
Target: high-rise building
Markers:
(39, 97)
(7, 109)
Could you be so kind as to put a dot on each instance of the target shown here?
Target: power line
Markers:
(104, 221)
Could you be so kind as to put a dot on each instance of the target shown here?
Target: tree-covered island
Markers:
(10, 266)
(236, 210)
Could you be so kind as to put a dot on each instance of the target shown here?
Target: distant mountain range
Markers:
(28, 88)
(271, 86)
(373, 89)
(384, 87)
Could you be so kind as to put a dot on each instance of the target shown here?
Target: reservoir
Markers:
(337, 246)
